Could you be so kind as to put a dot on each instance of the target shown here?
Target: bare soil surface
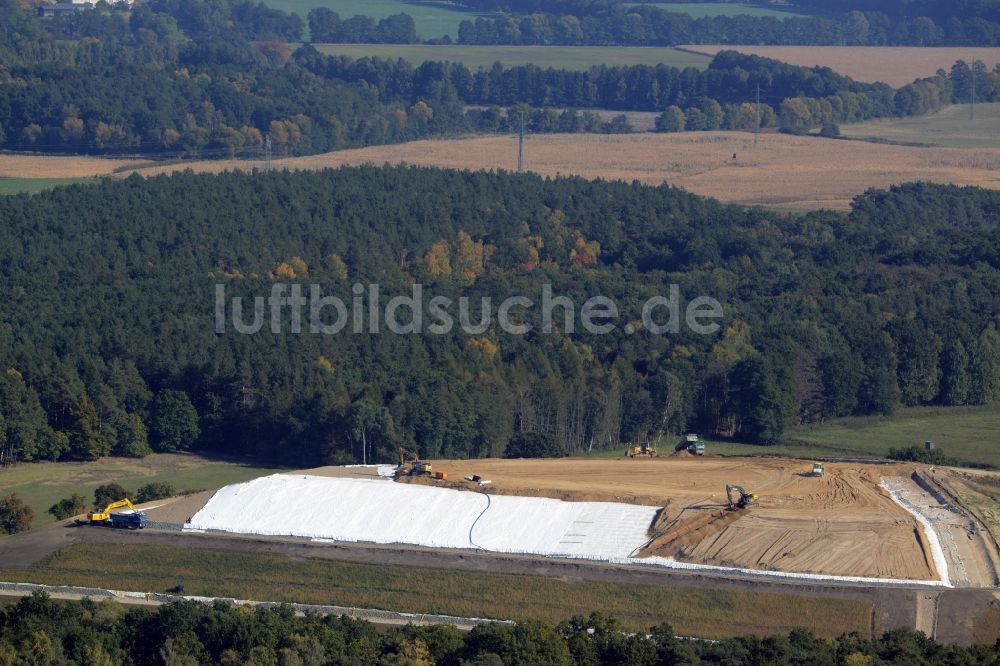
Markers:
(840, 524)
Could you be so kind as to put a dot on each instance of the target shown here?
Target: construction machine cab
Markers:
(411, 465)
(738, 498)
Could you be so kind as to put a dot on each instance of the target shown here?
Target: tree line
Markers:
(37, 630)
(195, 86)
(114, 348)
(723, 96)
(626, 24)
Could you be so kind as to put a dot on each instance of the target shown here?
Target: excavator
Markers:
(738, 498)
(135, 520)
(411, 465)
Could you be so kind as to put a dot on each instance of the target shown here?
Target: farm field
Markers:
(43, 484)
(433, 18)
(701, 611)
(31, 185)
(782, 171)
(949, 127)
(965, 433)
(703, 9)
(968, 434)
(560, 57)
(895, 65)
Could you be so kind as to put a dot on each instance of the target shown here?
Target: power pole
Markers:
(756, 132)
(972, 108)
(267, 152)
(520, 146)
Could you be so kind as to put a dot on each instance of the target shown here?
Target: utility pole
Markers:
(267, 152)
(972, 108)
(756, 132)
(520, 146)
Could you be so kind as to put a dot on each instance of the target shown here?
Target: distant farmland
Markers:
(895, 65)
(563, 57)
(702, 9)
(949, 127)
(782, 171)
(31, 185)
(432, 19)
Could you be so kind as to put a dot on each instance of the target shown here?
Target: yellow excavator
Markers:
(411, 465)
(738, 498)
(135, 520)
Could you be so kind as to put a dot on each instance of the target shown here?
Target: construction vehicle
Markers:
(691, 443)
(133, 520)
(411, 465)
(737, 498)
(817, 469)
(644, 449)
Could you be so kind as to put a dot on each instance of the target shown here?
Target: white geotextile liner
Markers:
(383, 512)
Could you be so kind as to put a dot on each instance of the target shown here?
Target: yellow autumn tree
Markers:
(300, 267)
(438, 259)
(337, 265)
(470, 257)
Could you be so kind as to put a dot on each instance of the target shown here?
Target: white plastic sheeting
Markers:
(382, 512)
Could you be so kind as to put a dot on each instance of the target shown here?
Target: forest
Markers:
(37, 630)
(196, 86)
(110, 341)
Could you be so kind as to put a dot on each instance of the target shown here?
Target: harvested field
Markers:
(895, 65)
(781, 171)
(59, 166)
(797, 173)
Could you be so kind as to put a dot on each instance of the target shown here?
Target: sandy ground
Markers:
(895, 65)
(176, 509)
(799, 173)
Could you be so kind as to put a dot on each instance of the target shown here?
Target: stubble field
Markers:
(895, 65)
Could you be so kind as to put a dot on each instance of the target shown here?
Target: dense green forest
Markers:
(171, 79)
(39, 631)
(109, 341)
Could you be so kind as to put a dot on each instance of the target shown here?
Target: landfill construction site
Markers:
(846, 523)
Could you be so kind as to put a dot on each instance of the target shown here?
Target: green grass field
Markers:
(562, 57)
(702, 9)
(711, 613)
(433, 18)
(949, 127)
(970, 434)
(30, 185)
(43, 484)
